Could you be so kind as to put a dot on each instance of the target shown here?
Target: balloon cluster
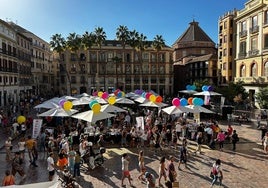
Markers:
(151, 97)
(118, 93)
(21, 119)
(207, 88)
(191, 87)
(139, 91)
(66, 105)
(95, 106)
(184, 102)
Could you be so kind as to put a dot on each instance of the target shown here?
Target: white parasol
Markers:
(111, 109)
(58, 112)
(90, 116)
(208, 93)
(154, 104)
(176, 110)
(199, 109)
(124, 101)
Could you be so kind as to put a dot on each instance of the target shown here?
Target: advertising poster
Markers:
(37, 124)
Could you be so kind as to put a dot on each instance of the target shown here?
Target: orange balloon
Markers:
(190, 100)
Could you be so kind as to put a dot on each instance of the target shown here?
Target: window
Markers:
(224, 66)
(243, 45)
(243, 26)
(225, 38)
(230, 65)
(231, 37)
(266, 69)
(266, 17)
(224, 52)
(266, 41)
(243, 71)
(225, 25)
(254, 44)
(253, 70)
(231, 51)
(254, 21)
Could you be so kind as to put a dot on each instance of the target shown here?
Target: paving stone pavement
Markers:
(245, 168)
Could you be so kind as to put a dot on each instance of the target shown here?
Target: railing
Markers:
(243, 33)
(253, 52)
(254, 29)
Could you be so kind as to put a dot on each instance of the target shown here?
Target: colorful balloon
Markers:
(111, 100)
(193, 87)
(188, 87)
(61, 102)
(147, 96)
(119, 94)
(190, 100)
(158, 99)
(176, 102)
(195, 101)
(183, 102)
(96, 107)
(100, 93)
(204, 88)
(95, 93)
(91, 103)
(21, 119)
(152, 98)
(67, 105)
(105, 95)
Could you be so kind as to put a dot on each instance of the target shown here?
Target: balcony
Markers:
(251, 79)
(243, 33)
(242, 55)
(254, 29)
(253, 52)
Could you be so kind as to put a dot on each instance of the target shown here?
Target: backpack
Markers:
(214, 170)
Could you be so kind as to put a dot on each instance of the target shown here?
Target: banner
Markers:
(37, 124)
(140, 122)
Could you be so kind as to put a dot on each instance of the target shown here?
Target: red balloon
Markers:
(158, 99)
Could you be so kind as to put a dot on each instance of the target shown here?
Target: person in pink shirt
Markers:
(220, 138)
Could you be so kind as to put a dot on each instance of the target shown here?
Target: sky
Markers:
(169, 18)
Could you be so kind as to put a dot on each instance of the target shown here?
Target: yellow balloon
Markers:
(96, 107)
(111, 100)
(21, 119)
(152, 98)
(67, 105)
(123, 93)
(100, 93)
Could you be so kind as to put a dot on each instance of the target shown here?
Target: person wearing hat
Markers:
(150, 180)
(8, 147)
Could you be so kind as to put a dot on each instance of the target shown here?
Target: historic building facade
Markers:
(252, 46)
(227, 48)
(195, 58)
(113, 67)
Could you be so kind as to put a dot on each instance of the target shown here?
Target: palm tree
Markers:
(74, 44)
(140, 47)
(100, 37)
(88, 40)
(58, 44)
(133, 42)
(158, 44)
(122, 35)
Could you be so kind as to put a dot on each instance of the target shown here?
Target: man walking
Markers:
(235, 139)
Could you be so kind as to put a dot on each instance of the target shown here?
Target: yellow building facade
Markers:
(252, 46)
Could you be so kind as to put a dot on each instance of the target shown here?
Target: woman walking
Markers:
(162, 171)
(141, 165)
(216, 172)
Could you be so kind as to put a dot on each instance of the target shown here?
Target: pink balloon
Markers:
(95, 93)
(147, 96)
(176, 102)
(105, 95)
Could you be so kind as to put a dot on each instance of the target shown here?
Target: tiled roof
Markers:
(201, 58)
(193, 33)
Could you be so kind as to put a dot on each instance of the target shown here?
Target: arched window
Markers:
(243, 71)
(266, 69)
(253, 71)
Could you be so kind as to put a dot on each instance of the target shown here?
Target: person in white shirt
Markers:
(178, 130)
(51, 166)
(21, 145)
(15, 126)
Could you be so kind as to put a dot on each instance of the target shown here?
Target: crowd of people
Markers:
(65, 141)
